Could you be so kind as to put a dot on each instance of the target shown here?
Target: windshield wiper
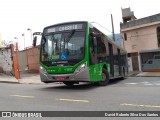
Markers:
(70, 36)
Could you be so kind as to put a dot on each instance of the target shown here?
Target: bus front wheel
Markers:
(105, 78)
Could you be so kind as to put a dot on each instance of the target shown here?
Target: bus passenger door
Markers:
(119, 62)
(95, 68)
(111, 59)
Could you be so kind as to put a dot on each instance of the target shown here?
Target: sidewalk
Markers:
(143, 74)
(148, 74)
(7, 78)
(29, 78)
(32, 79)
(133, 73)
(26, 78)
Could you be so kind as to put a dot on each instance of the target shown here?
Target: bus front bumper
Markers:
(82, 76)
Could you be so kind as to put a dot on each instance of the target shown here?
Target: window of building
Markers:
(158, 36)
(125, 36)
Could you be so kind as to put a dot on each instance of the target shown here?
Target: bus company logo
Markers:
(6, 114)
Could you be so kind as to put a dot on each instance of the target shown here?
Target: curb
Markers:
(12, 82)
(147, 76)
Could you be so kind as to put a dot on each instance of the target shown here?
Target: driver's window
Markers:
(92, 48)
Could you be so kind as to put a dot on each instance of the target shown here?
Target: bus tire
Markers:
(69, 83)
(105, 78)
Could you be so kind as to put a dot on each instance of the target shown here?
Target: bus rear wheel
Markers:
(105, 78)
(69, 83)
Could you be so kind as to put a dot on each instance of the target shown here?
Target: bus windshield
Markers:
(65, 48)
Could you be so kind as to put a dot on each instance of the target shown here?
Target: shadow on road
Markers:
(116, 81)
(81, 86)
(86, 86)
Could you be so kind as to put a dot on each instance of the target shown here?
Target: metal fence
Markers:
(148, 61)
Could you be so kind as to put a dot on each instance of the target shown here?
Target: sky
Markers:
(16, 16)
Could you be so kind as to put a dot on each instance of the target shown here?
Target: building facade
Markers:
(139, 36)
(0, 41)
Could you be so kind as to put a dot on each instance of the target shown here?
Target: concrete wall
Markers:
(5, 60)
(0, 41)
(22, 60)
(139, 39)
(33, 59)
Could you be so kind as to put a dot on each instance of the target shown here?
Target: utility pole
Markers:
(113, 35)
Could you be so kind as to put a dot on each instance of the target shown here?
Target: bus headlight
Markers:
(42, 69)
(80, 68)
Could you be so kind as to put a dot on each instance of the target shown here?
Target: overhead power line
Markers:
(102, 26)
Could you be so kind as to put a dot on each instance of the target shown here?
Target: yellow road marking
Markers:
(137, 105)
(72, 100)
(23, 96)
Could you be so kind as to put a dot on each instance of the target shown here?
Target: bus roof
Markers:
(63, 23)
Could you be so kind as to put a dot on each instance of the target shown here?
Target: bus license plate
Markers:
(60, 78)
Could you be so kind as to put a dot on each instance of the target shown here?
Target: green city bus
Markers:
(76, 52)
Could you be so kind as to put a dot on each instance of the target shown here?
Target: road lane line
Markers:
(131, 83)
(72, 100)
(22, 96)
(139, 105)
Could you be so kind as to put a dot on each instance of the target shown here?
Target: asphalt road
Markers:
(131, 94)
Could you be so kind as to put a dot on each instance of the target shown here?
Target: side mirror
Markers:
(92, 34)
(34, 41)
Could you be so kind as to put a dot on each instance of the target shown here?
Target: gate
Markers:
(150, 60)
(134, 57)
(135, 63)
(33, 59)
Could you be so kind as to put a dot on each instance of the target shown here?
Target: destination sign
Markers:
(64, 28)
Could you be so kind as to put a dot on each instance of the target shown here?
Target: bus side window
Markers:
(93, 50)
(101, 49)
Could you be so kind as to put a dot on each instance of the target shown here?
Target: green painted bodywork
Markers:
(95, 71)
(61, 69)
